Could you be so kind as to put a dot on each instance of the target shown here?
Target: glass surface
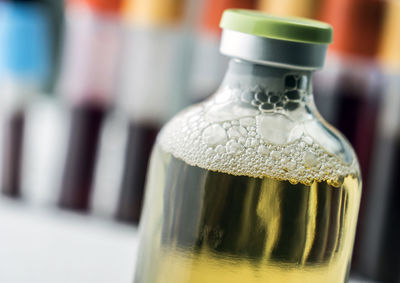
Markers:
(250, 186)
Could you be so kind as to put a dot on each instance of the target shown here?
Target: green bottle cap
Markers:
(282, 28)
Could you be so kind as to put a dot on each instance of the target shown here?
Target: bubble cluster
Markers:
(221, 135)
(290, 99)
(237, 148)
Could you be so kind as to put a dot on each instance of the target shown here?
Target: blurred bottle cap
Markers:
(154, 12)
(290, 8)
(389, 51)
(213, 10)
(102, 6)
(357, 25)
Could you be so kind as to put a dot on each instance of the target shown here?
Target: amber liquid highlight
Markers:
(204, 226)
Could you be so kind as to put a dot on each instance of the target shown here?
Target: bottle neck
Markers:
(269, 88)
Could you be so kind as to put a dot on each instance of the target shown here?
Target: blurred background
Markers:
(85, 85)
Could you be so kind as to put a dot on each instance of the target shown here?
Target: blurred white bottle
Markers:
(153, 77)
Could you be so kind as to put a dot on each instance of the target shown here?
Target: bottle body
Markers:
(250, 186)
(378, 248)
(24, 70)
(86, 85)
(157, 48)
(145, 47)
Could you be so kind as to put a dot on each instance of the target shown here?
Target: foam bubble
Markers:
(252, 143)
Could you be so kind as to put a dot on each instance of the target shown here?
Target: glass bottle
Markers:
(24, 71)
(156, 48)
(349, 90)
(378, 253)
(86, 84)
(253, 185)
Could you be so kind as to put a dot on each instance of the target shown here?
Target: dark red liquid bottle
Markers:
(86, 83)
(378, 240)
(353, 82)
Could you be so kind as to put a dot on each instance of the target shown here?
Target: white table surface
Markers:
(46, 245)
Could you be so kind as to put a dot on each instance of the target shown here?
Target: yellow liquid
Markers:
(204, 226)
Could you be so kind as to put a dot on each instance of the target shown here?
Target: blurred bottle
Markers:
(209, 65)
(24, 69)
(153, 78)
(352, 74)
(86, 83)
(379, 245)
(291, 8)
(45, 127)
(349, 91)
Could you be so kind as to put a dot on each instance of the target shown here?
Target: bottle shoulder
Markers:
(332, 141)
(227, 135)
